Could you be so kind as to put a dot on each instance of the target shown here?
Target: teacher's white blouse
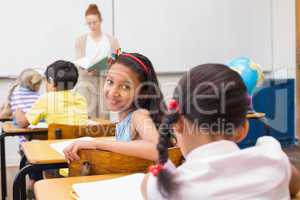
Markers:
(222, 171)
(95, 51)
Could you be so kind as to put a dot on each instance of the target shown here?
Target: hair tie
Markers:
(136, 60)
(173, 105)
(117, 52)
(155, 169)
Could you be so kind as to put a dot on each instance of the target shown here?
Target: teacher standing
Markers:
(90, 48)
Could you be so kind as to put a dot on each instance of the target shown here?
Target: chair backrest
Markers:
(97, 162)
(63, 131)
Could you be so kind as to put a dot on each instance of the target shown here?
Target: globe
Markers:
(250, 72)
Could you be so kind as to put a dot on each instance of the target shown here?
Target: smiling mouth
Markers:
(113, 102)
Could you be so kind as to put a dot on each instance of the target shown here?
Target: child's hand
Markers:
(71, 150)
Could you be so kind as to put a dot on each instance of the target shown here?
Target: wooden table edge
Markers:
(71, 180)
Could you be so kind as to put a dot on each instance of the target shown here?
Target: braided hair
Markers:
(204, 79)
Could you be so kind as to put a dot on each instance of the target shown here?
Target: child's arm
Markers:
(136, 148)
(295, 181)
(33, 116)
(143, 125)
(21, 119)
(145, 147)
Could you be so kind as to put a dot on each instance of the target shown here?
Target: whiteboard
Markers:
(177, 34)
(36, 33)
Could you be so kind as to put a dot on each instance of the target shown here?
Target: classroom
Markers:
(154, 100)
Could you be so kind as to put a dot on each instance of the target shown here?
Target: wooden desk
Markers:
(61, 188)
(256, 115)
(40, 152)
(9, 129)
(40, 156)
(6, 119)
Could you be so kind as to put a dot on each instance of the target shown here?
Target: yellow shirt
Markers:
(63, 107)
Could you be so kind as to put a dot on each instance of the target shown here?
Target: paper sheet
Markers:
(92, 122)
(60, 146)
(127, 187)
(39, 125)
(45, 125)
(83, 62)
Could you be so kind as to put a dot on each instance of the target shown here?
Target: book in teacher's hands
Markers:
(99, 66)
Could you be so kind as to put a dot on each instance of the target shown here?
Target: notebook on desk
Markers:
(60, 146)
(126, 187)
(44, 125)
(40, 125)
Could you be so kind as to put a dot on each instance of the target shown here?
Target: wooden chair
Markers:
(98, 162)
(63, 131)
(105, 128)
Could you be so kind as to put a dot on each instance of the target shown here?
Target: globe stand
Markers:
(250, 105)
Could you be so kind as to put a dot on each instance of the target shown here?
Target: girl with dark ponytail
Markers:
(132, 91)
(208, 117)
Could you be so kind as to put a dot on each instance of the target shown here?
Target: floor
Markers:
(11, 172)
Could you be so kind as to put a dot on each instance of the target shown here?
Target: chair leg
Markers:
(22, 162)
(19, 184)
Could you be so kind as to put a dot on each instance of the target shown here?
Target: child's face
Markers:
(36, 87)
(120, 88)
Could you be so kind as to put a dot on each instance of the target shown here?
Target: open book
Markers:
(40, 125)
(99, 66)
(44, 125)
(127, 187)
(60, 146)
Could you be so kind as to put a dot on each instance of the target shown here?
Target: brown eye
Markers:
(125, 87)
(109, 82)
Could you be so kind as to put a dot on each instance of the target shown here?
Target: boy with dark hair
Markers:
(59, 104)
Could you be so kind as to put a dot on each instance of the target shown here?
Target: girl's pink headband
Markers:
(118, 53)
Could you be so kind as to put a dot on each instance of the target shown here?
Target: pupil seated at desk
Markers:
(22, 95)
(59, 104)
(208, 116)
(132, 90)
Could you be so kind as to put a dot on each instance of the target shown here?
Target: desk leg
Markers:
(20, 183)
(3, 166)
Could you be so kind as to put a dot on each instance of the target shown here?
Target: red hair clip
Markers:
(173, 105)
(117, 52)
(155, 169)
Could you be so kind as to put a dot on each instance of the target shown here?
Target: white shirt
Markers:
(222, 171)
(95, 51)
